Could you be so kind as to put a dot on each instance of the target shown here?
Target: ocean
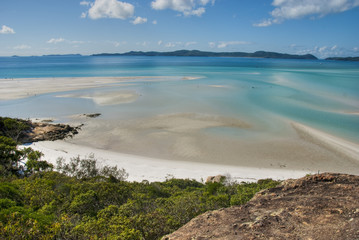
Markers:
(264, 92)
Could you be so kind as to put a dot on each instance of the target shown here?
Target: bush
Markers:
(88, 168)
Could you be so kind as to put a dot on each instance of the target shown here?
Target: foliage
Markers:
(51, 205)
(88, 168)
(86, 201)
(20, 162)
(13, 128)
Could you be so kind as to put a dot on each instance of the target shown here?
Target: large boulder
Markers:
(323, 206)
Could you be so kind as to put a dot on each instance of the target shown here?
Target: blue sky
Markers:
(320, 27)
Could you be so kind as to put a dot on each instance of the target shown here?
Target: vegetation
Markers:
(354, 59)
(84, 201)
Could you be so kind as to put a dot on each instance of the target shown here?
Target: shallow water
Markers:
(264, 92)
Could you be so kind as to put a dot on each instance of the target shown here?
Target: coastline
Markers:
(151, 169)
(184, 144)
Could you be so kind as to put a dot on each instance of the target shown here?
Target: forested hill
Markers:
(197, 53)
(356, 59)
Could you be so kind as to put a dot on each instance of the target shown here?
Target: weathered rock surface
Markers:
(322, 206)
(215, 179)
(48, 132)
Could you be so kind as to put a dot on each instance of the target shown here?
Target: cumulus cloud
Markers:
(110, 9)
(6, 30)
(139, 20)
(326, 51)
(154, 22)
(56, 40)
(226, 44)
(212, 44)
(295, 9)
(117, 44)
(85, 3)
(186, 7)
(170, 45)
(190, 43)
(62, 40)
(22, 47)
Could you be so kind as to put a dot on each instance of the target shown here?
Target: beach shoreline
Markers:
(184, 144)
(142, 168)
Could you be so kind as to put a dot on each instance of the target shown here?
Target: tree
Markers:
(13, 128)
(20, 162)
(88, 168)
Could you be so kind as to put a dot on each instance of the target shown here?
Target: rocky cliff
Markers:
(323, 206)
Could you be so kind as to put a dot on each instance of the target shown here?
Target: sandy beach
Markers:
(185, 144)
(152, 169)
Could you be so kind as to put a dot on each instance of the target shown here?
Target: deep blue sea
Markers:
(265, 92)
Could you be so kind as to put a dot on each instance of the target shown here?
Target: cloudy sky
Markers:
(320, 27)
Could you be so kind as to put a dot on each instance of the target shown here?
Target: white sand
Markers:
(107, 98)
(151, 169)
(339, 146)
(219, 86)
(27, 87)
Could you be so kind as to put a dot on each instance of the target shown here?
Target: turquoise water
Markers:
(264, 92)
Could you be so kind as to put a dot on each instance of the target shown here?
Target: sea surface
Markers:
(264, 92)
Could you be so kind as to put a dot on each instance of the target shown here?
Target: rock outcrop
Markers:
(215, 179)
(48, 132)
(322, 206)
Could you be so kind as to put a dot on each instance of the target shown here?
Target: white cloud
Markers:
(62, 40)
(170, 45)
(117, 44)
(231, 43)
(154, 22)
(56, 40)
(139, 20)
(22, 47)
(76, 42)
(295, 9)
(85, 3)
(159, 42)
(83, 15)
(327, 51)
(197, 12)
(212, 44)
(190, 43)
(186, 7)
(173, 44)
(6, 30)
(322, 49)
(355, 49)
(144, 44)
(264, 23)
(111, 9)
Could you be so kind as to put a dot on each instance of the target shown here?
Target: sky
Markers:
(323, 28)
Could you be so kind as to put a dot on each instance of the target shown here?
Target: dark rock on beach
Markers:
(48, 132)
(92, 115)
(323, 206)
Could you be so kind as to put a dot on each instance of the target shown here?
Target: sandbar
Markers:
(107, 98)
(26, 87)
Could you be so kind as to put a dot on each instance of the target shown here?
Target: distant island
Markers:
(356, 59)
(197, 53)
